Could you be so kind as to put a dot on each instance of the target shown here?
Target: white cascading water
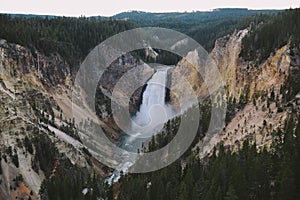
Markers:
(154, 112)
(150, 119)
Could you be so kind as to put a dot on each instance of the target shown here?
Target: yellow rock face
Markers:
(239, 77)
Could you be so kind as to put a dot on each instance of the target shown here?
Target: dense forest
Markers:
(249, 173)
(270, 35)
(73, 38)
(246, 174)
(70, 37)
(204, 27)
(187, 22)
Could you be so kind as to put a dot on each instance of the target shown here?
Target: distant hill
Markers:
(32, 15)
(203, 26)
(191, 17)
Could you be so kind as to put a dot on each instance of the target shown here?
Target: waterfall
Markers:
(150, 119)
(154, 112)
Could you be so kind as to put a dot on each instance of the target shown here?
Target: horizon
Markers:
(129, 11)
(90, 8)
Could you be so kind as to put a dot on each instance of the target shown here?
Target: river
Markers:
(154, 112)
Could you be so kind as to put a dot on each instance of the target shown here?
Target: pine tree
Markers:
(183, 194)
(231, 193)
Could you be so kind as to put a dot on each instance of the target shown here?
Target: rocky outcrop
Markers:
(187, 72)
(20, 63)
(133, 70)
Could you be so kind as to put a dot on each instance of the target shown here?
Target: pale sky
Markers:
(111, 7)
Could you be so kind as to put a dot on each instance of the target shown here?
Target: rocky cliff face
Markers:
(246, 78)
(186, 71)
(36, 105)
(20, 77)
(36, 121)
(243, 82)
(18, 63)
(239, 77)
(131, 68)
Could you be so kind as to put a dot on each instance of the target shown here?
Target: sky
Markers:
(111, 7)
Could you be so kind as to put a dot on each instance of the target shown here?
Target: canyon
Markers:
(36, 100)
